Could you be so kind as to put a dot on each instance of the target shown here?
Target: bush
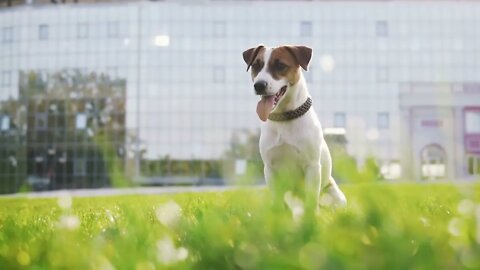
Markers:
(385, 227)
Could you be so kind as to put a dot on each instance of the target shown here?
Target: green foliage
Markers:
(345, 169)
(244, 145)
(67, 83)
(402, 226)
(114, 164)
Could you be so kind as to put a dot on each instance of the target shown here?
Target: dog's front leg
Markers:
(272, 185)
(313, 181)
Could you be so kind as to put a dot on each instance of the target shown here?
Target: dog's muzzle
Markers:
(260, 87)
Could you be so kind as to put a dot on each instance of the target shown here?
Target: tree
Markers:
(75, 126)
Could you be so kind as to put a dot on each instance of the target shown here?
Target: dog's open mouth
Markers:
(268, 103)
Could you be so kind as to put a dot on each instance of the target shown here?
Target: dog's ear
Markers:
(250, 54)
(303, 55)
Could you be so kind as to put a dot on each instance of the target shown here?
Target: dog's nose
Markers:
(260, 87)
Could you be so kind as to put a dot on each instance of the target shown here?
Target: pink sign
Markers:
(472, 143)
(431, 123)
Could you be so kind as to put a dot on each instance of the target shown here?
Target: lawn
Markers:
(386, 226)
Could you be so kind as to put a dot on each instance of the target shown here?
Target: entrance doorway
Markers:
(433, 162)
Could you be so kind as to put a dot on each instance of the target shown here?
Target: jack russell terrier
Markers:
(294, 152)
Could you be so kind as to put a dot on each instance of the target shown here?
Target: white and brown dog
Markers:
(295, 155)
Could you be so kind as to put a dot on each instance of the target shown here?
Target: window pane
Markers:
(472, 122)
(381, 28)
(80, 166)
(5, 123)
(82, 30)
(432, 171)
(382, 74)
(43, 32)
(6, 78)
(7, 34)
(339, 120)
(473, 165)
(81, 121)
(41, 121)
(383, 120)
(219, 29)
(306, 29)
(112, 29)
(219, 74)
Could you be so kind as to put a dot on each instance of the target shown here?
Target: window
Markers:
(42, 75)
(306, 29)
(63, 158)
(433, 158)
(4, 123)
(391, 170)
(82, 30)
(382, 74)
(43, 32)
(383, 120)
(472, 122)
(473, 163)
(240, 166)
(7, 34)
(41, 121)
(219, 29)
(339, 120)
(6, 78)
(381, 29)
(40, 167)
(219, 74)
(80, 167)
(112, 29)
(81, 121)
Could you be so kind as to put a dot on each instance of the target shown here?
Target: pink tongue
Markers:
(265, 106)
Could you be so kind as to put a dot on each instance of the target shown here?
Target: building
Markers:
(441, 130)
(187, 91)
(71, 118)
(73, 128)
(12, 147)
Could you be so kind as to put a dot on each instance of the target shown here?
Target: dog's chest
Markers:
(285, 156)
(290, 144)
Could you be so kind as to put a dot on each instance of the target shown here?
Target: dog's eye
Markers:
(280, 66)
(257, 66)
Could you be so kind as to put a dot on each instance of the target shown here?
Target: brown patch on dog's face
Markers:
(253, 57)
(258, 63)
(283, 64)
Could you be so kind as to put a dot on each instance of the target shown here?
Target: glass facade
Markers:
(187, 95)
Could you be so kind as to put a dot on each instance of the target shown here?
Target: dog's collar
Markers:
(293, 114)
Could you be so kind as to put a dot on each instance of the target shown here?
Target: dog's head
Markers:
(273, 70)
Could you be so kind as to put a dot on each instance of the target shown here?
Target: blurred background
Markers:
(128, 93)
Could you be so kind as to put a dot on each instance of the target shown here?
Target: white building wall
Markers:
(195, 92)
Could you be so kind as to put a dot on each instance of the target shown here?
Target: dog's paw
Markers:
(335, 200)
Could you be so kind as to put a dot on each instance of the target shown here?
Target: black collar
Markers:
(293, 114)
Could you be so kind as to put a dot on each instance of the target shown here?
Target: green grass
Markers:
(402, 226)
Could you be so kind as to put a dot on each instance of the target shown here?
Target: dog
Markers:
(294, 152)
